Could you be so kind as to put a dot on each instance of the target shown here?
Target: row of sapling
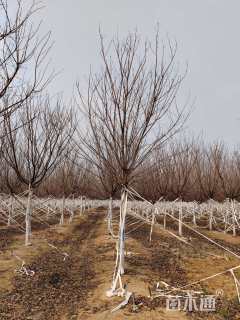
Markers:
(70, 178)
(184, 169)
(207, 172)
(36, 139)
(69, 175)
(131, 111)
(66, 170)
(218, 174)
(191, 171)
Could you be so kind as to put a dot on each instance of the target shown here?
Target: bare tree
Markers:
(131, 111)
(21, 50)
(182, 160)
(154, 177)
(78, 179)
(207, 172)
(227, 166)
(38, 146)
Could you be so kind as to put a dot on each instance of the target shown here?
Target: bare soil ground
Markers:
(75, 288)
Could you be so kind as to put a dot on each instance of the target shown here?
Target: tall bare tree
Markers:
(131, 111)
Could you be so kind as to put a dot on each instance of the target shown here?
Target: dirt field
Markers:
(75, 287)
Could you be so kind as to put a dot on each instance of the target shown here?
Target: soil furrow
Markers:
(59, 286)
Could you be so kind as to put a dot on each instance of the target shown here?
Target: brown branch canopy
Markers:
(22, 56)
(41, 141)
(130, 107)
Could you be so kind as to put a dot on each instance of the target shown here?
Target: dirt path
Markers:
(59, 286)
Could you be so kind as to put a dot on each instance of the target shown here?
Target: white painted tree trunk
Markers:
(211, 220)
(152, 224)
(81, 206)
(72, 213)
(164, 220)
(28, 218)
(10, 212)
(71, 217)
(62, 211)
(180, 221)
(233, 219)
(120, 245)
(123, 213)
(194, 218)
(110, 228)
(234, 228)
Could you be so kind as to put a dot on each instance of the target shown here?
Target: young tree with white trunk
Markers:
(131, 111)
(37, 147)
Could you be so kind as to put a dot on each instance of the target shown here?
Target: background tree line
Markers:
(182, 169)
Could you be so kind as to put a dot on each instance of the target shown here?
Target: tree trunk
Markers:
(110, 228)
(81, 206)
(180, 221)
(194, 218)
(211, 220)
(10, 212)
(164, 220)
(28, 217)
(62, 211)
(152, 223)
(123, 213)
(233, 219)
(120, 246)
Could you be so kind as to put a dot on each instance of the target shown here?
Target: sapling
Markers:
(38, 146)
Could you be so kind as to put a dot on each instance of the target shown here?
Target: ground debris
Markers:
(58, 285)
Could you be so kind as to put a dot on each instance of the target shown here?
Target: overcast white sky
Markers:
(207, 33)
